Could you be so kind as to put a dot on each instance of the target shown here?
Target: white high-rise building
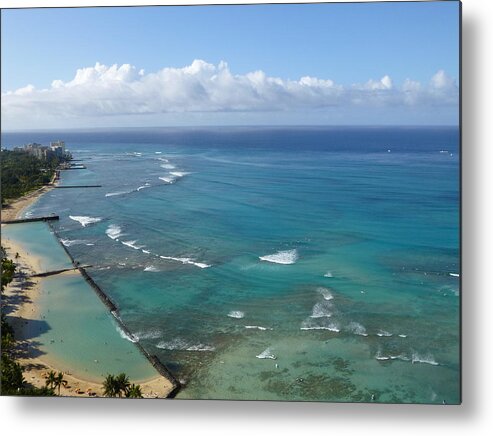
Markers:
(58, 143)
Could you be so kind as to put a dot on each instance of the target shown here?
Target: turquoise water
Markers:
(291, 264)
(79, 332)
(73, 328)
(37, 239)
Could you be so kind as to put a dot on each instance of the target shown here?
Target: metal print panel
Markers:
(241, 202)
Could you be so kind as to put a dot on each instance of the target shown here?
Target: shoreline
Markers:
(14, 209)
(21, 297)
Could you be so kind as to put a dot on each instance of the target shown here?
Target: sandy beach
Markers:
(19, 304)
(14, 208)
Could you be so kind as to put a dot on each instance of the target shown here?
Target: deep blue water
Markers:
(330, 249)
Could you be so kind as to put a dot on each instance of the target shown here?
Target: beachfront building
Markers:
(42, 151)
(58, 147)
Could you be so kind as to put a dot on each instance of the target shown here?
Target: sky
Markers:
(322, 64)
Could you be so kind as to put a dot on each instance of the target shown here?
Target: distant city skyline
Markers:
(321, 64)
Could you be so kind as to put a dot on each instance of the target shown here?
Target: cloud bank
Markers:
(206, 88)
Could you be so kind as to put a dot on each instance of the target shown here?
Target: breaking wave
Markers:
(322, 309)
(132, 244)
(179, 173)
(356, 328)
(187, 261)
(286, 257)
(115, 194)
(428, 358)
(266, 354)
(325, 293)
(69, 243)
(257, 327)
(127, 336)
(150, 334)
(84, 220)
(168, 179)
(383, 333)
(180, 344)
(236, 314)
(144, 186)
(309, 324)
(114, 231)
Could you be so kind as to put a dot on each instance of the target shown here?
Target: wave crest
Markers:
(286, 257)
(85, 220)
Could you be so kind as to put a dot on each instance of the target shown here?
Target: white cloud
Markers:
(206, 88)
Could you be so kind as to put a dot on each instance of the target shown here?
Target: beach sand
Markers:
(19, 304)
(14, 209)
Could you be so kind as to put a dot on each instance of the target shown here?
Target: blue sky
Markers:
(348, 44)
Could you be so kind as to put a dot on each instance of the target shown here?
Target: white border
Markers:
(35, 417)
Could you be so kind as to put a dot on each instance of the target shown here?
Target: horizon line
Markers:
(236, 126)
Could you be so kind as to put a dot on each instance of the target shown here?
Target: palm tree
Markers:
(51, 380)
(134, 391)
(110, 386)
(122, 384)
(59, 382)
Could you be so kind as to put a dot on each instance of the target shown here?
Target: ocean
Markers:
(275, 263)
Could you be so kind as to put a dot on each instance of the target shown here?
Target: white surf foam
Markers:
(200, 347)
(400, 357)
(257, 327)
(115, 194)
(180, 344)
(158, 152)
(325, 293)
(322, 309)
(69, 243)
(357, 328)
(236, 314)
(168, 179)
(146, 251)
(84, 220)
(114, 231)
(266, 354)
(309, 324)
(201, 265)
(402, 336)
(454, 274)
(380, 356)
(383, 333)
(328, 274)
(127, 336)
(151, 268)
(428, 358)
(187, 261)
(286, 257)
(167, 166)
(132, 244)
(144, 186)
(149, 334)
(179, 173)
(163, 159)
(333, 328)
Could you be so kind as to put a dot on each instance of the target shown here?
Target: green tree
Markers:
(59, 382)
(134, 391)
(110, 386)
(12, 378)
(119, 386)
(122, 384)
(8, 269)
(51, 380)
